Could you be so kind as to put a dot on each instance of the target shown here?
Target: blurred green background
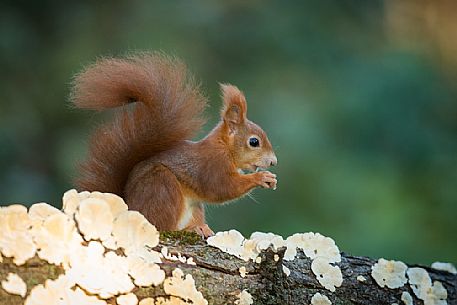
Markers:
(359, 99)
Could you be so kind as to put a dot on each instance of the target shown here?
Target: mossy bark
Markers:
(217, 276)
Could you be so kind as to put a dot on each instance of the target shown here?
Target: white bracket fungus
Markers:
(56, 238)
(14, 285)
(104, 221)
(15, 238)
(265, 240)
(133, 232)
(421, 284)
(51, 292)
(79, 297)
(323, 251)
(95, 219)
(389, 273)
(115, 203)
(406, 298)
(181, 258)
(285, 270)
(59, 292)
(328, 276)
(244, 298)
(127, 299)
(243, 271)
(444, 267)
(184, 288)
(319, 299)
(361, 278)
(420, 281)
(71, 200)
(41, 211)
(147, 301)
(145, 273)
(314, 245)
(230, 242)
(105, 274)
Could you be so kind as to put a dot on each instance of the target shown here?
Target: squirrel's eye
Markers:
(254, 142)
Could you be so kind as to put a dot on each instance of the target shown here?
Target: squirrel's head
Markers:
(248, 143)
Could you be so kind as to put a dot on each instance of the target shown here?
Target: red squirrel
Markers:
(145, 154)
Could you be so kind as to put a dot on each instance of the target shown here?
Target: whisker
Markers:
(252, 197)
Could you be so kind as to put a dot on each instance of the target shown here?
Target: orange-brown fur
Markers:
(145, 154)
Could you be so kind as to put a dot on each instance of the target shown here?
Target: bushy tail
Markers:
(166, 109)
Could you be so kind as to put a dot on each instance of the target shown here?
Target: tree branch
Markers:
(217, 276)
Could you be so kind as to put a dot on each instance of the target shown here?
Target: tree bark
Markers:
(217, 276)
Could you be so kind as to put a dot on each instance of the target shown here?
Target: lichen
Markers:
(167, 301)
(181, 237)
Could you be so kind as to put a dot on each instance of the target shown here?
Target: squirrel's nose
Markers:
(273, 161)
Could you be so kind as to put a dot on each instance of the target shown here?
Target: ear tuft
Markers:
(235, 108)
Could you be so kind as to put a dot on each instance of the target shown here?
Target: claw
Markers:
(203, 230)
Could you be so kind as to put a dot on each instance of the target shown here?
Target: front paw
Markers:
(203, 230)
(266, 180)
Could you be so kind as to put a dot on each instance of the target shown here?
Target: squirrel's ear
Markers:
(235, 107)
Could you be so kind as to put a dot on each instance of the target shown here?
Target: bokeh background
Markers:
(359, 99)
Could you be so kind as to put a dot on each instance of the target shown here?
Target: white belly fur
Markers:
(186, 215)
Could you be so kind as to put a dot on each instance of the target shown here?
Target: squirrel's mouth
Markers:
(257, 168)
(249, 169)
(252, 168)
